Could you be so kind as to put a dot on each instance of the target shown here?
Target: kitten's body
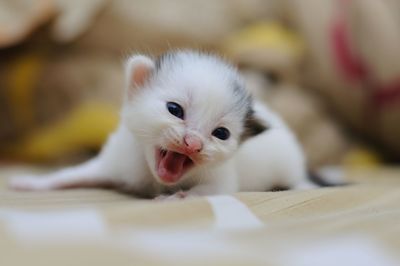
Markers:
(154, 152)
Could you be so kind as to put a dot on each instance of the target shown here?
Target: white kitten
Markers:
(188, 127)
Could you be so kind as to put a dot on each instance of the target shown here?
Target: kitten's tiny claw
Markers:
(181, 194)
(177, 196)
(161, 197)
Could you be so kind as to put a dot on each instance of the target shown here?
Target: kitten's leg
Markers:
(88, 174)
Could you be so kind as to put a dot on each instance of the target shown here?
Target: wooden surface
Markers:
(349, 225)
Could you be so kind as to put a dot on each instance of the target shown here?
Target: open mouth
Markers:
(171, 165)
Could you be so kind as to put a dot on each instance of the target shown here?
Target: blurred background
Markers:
(330, 68)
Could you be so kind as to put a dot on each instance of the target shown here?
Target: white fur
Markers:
(202, 85)
(273, 158)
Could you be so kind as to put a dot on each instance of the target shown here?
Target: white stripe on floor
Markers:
(231, 213)
(51, 226)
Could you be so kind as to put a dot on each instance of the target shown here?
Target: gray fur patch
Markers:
(252, 126)
(244, 99)
(160, 61)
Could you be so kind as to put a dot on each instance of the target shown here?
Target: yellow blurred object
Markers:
(361, 157)
(88, 125)
(22, 81)
(268, 46)
(266, 35)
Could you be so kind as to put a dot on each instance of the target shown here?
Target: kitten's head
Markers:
(189, 111)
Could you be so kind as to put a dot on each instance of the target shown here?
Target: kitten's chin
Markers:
(171, 166)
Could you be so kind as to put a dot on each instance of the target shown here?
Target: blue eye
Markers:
(175, 109)
(221, 133)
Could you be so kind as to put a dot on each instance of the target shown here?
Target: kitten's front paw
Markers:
(28, 183)
(177, 196)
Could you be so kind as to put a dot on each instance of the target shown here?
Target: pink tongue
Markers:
(171, 166)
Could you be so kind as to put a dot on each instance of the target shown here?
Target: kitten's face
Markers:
(188, 117)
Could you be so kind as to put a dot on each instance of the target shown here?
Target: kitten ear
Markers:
(138, 70)
(252, 126)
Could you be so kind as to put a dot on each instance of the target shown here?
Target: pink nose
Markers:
(193, 144)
